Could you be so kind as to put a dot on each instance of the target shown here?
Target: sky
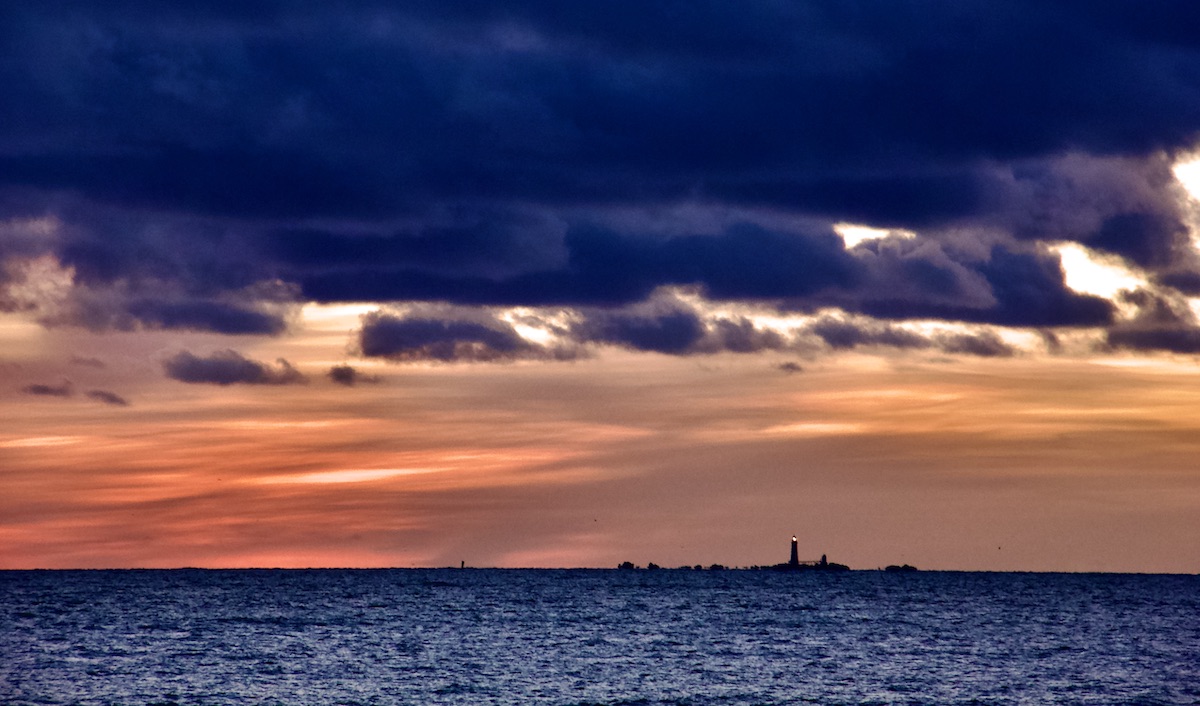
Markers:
(544, 284)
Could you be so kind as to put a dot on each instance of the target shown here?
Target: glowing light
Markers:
(40, 441)
(260, 424)
(853, 234)
(816, 429)
(346, 476)
(1086, 274)
(1188, 174)
(337, 317)
(41, 284)
(16, 330)
(528, 325)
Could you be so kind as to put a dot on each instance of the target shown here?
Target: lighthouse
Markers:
(795, 558)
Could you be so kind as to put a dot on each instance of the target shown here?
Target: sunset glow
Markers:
(297, 291)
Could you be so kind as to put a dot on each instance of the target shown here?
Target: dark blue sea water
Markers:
(596, 637)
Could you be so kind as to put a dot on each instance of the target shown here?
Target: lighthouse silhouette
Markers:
(795, 558)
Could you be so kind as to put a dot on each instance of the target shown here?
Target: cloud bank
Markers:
(209, 168)
(665, 325)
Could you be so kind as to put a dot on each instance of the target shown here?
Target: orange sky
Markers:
(555, 285)
(1026, 463)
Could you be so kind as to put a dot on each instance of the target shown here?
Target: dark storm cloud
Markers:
(363, 108)
(1131, 206)
(480, 242)
(420, 336)
(1174, 340)
(670, 325)
(1147, 239)
(740, 335)
(665, 325)
(109, 398)
(1161, 323)
(1157, 309)
(671, 332)
(1185, 282)
(1026, 289)
(890, 279)
(838, 333)
(474, 153)
(102, 310)
(217, 317)
(848, 334)
(608, 268)
(985, 344)
(229, 367)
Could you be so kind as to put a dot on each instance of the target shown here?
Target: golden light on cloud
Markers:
(40, 284)
(18, 334)
(345, 476)
(1087, 273)
(1188, 174)
(816, 429)
(853, 234)
(535, 326)
(268, 424)
(334, 316)
(41, 441)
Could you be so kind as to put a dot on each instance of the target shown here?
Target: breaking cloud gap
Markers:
(896, 279)
(664, 326)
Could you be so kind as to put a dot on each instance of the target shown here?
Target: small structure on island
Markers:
(794, 563)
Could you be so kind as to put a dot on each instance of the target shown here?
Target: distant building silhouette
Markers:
(794, 563)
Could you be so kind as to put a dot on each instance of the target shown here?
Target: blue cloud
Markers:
(228, 367)
(523, 153)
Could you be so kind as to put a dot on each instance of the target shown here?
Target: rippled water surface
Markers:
(596, 637)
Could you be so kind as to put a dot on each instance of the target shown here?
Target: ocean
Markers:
(491, 636)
